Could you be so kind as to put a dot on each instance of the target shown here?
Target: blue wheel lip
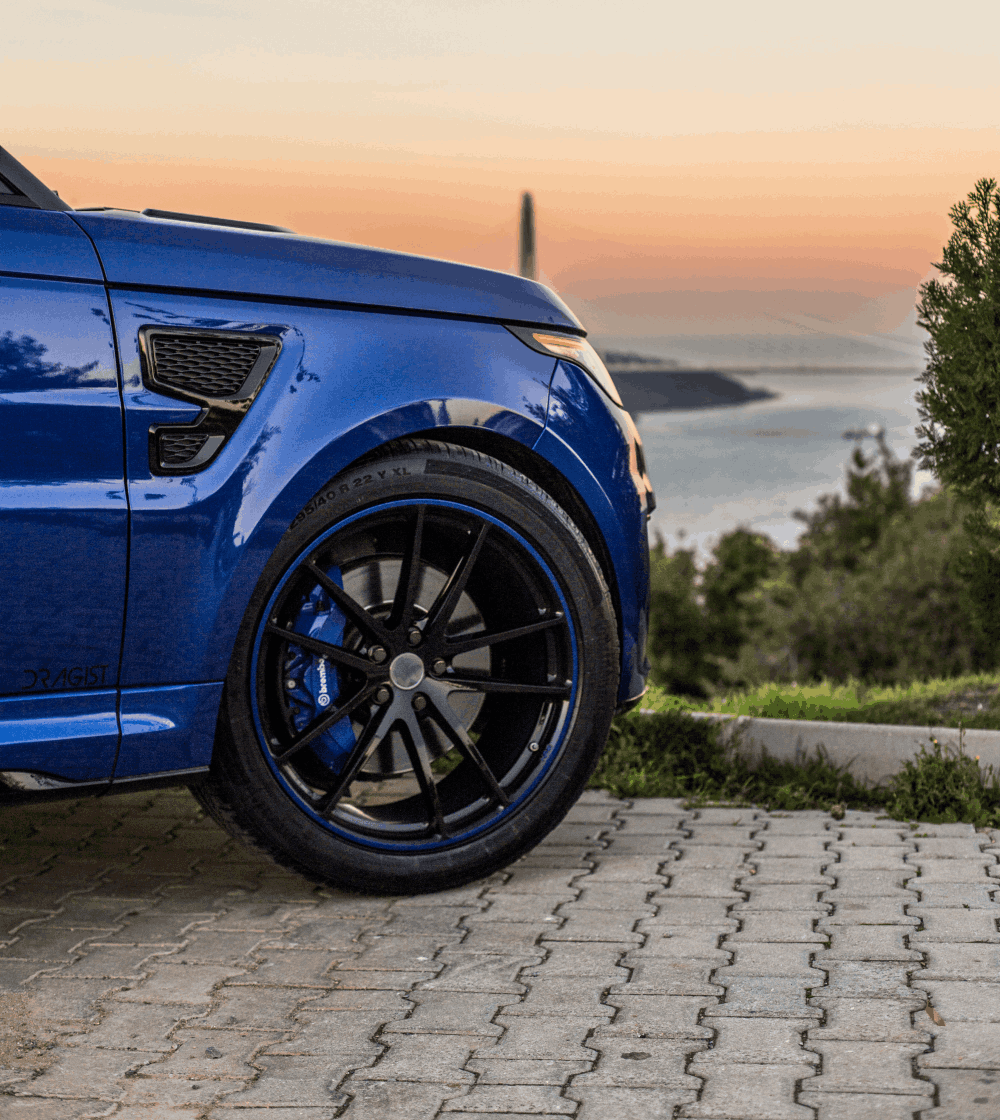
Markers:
(552, 750)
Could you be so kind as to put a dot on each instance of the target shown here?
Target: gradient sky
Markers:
(709, 179)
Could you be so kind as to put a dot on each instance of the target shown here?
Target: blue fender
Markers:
(344, 384)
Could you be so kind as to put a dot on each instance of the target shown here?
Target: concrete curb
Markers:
(873, 751)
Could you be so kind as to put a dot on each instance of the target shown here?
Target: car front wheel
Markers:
(423, 681)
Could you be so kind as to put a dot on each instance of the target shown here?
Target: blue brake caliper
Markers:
(316, 679)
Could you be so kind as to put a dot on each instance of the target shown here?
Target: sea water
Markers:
(754, 464)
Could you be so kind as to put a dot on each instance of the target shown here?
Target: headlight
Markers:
(573, 349)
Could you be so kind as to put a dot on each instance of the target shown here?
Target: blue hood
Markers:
(149, 252)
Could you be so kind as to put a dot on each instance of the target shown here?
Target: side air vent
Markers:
(179, 448)
(220, 370)
(217, 366)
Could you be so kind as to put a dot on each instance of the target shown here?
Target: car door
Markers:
(63, 507)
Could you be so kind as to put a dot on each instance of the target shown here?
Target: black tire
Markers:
(343, 751)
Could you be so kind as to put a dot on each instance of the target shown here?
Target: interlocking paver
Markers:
(658, 1062)
(780, 997)
(950, 871)
(970, 847)
(132, 1027)
(506, 937)
(973, 896)
(756, 1042)
(644, 960)
(523, 1071)
(872, 979)
(402, 1100)
(966, 1095)
(712, 856)
(776, 925)
(872, 1020)
(598, 1103)
(632, 869)
(955, 926)
(612, 896)
(653, 975)
(797, 897)
(438, 1059)
(289, 1082)
(558, 995)
(596, 925)
(642, 1016)
(686, 942)
(560, 1039)
(691, 911)
(864, 1106)
(593, 958)
(525, 1099)
(961, 1001)
(867, 943)
(463, 1013)
(963, 1046)
(868, 1067)
(750, 1092)
(870, 912)
(702, 883)
(770, 959)
(780, 870)
(480, 972)
(975, 961)
(778, 845)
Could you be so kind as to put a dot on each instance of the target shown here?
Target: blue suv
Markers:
(351, 542)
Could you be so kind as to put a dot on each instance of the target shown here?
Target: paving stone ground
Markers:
(646, 962)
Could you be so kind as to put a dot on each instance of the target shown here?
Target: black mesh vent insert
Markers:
(177, 448)
(211, 367)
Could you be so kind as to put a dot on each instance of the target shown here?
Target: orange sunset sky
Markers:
(725, 183)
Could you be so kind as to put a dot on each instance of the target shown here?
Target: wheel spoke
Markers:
(324, 723)
(455, 730)
(324, 649)
(425, 776)
(446, 602)
(455, 646)
(347, 603)
(409, 578)
(375, 730)
(492, 684)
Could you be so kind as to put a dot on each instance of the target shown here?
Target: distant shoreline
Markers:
(655, 365)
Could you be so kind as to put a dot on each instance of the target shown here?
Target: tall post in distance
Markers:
(527, 264)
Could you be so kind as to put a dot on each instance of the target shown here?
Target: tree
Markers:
(841, 532)
(960, 401)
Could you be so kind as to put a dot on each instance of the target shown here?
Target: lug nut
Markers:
(290, 684)
(383, 696)
(377, 654)
(439, 667)
(414, 637)
(419, 703)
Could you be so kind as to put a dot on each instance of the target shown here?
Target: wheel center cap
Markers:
(406, 671)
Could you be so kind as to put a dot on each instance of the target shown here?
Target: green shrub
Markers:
(941, 786)
(672, 754)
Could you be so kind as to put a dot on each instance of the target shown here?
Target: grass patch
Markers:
(971, 701)
(670, 754)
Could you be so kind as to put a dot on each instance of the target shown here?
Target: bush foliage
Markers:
(672, 754)
(882, 589)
